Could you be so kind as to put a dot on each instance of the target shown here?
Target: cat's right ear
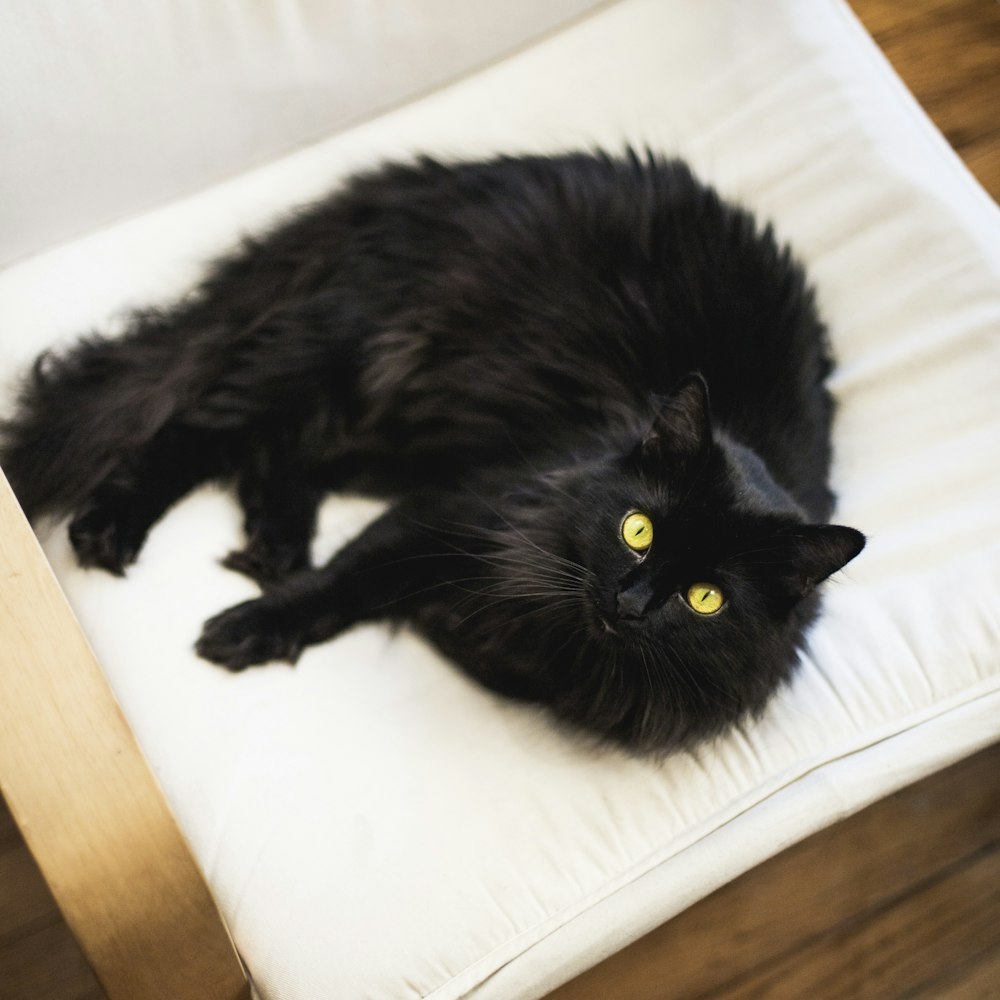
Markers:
(807, 554)
(682, 429)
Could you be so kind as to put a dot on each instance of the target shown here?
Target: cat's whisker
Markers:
(506, 622)
(455, 584)
(517, 531)
(543, 558)
(503, 561)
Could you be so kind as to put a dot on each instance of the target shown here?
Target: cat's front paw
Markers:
(249, 633)
(107, 532)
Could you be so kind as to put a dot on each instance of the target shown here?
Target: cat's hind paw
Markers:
(107, 535)
(250, 633)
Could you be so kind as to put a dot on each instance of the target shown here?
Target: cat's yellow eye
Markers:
(705, 598)
(637, 532)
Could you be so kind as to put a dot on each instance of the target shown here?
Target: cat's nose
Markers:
(633, 600)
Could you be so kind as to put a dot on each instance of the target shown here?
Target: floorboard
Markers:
(39, 958)
(894, 949)
(46, 964)
(732, 943)
(948, 53)
(24, 899)
(976, 979)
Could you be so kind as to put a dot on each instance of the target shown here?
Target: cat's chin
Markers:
(606, 627)
(611, 630)
(599, 624)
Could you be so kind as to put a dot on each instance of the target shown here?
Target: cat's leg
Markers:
(249, 416)
(279, 506)
(110, 526)
(380, 574)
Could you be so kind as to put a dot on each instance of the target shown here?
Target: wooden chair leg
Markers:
(88, 805)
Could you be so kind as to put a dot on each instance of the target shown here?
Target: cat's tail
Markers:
(81, 411)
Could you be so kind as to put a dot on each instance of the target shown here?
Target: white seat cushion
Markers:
(375, 825)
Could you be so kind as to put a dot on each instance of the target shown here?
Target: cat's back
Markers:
(553, 291)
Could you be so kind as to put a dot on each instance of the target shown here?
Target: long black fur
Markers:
(518, 353)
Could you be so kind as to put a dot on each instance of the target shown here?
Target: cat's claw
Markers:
(249, 633)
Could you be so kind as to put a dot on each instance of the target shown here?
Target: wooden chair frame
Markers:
(88, 805)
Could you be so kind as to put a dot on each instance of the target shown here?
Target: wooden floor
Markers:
(948, 52)
(901, 901)
(39, 959)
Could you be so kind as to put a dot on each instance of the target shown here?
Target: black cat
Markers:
(519, 354)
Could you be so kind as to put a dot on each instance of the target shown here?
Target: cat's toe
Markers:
(248, 634)
(267, 565)
(105, 537)
(246, 562)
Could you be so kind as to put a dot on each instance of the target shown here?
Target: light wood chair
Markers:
(88, 805)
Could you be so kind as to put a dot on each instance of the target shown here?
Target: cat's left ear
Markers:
(682, 429)
(809, 553)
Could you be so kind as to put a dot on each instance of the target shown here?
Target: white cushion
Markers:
(373, 823)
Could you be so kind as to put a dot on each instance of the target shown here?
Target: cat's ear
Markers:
(809, 553)
(682, 428)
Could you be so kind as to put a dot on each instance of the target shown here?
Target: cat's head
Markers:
(690, 575)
